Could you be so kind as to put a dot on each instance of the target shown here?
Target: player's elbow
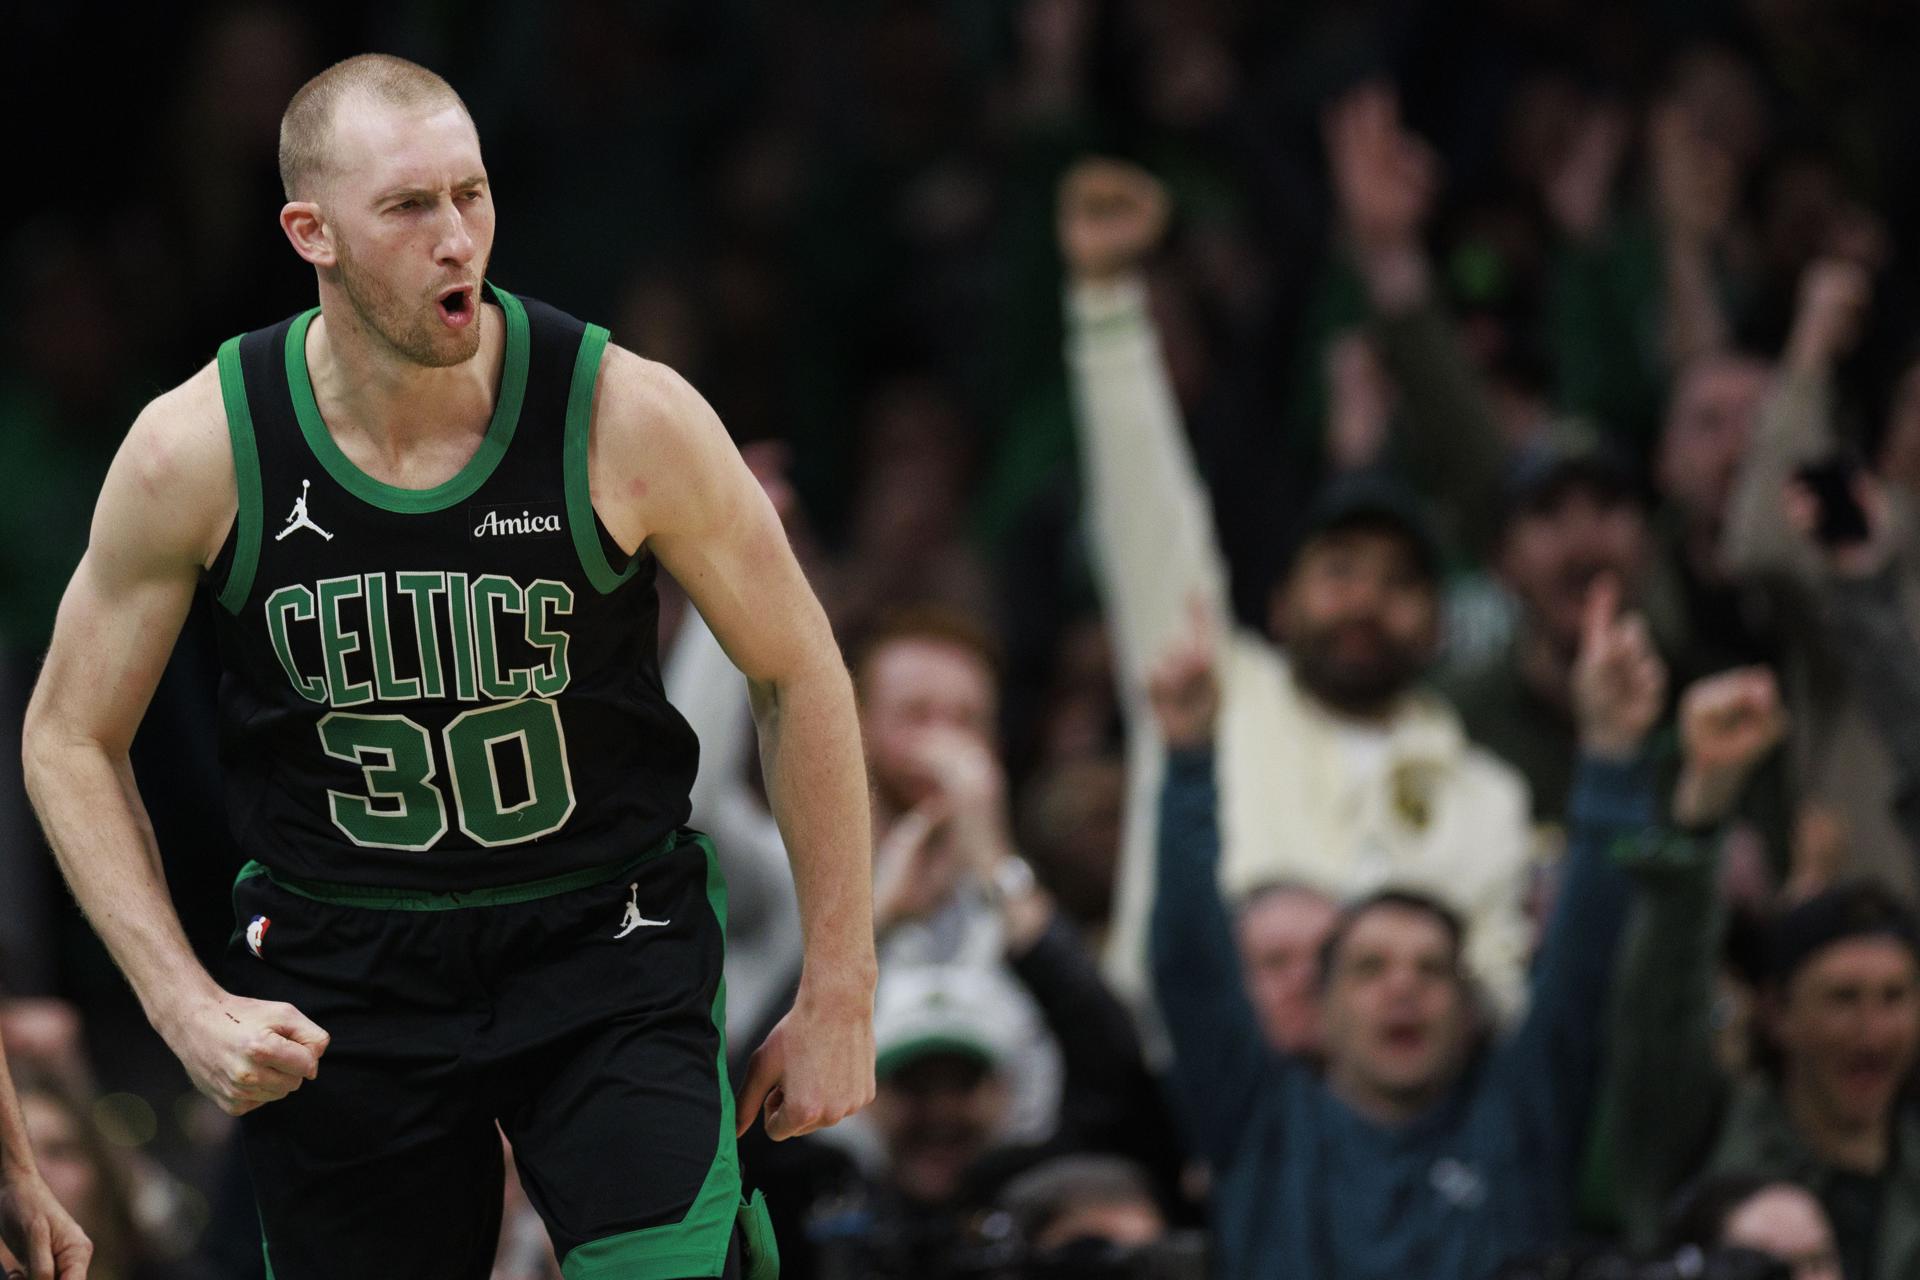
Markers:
(49, 747)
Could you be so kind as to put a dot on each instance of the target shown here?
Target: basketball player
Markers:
(446, 745)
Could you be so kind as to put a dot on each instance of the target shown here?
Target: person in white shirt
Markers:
(1337, 770)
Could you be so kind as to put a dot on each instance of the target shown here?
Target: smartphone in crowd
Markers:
(1842, 520)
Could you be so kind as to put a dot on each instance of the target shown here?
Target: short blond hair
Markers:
(307, 126)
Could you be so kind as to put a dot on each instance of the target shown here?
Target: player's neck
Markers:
(365, 389)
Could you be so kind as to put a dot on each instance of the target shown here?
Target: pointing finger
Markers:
(1603, 602)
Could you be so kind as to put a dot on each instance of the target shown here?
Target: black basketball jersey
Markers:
(447, 688)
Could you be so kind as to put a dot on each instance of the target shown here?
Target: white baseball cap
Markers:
(946, 1008)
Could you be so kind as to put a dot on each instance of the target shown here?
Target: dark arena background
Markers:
(1504, 374)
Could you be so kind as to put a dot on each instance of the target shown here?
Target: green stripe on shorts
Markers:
(697, 1244)
(380, 899)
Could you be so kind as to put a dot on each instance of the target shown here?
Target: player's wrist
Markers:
(174, 1006)
(17, 1167)
(838, 987)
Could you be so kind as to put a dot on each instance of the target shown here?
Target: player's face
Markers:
(909, 687)
(1395, 1010)
(412, 221)
(1359, 618)
(1848, 1023)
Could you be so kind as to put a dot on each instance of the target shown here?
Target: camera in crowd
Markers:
(1686, 1263)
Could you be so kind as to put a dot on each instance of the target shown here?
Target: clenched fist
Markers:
(1183, 688)
(1111, 215)
(245, 1053)
(1728, 723)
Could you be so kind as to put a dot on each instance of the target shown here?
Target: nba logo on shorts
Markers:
(257, 933)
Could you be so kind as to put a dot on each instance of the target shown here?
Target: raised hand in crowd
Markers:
(1834, 293)
(1111, 214)
(1619, 681)
(1696, 183)
(962, 832)
(1578, 187)
(1183, 688)
(1846, 557)
(913, 872)
(1360, 403)
(1384, 180)
(1728, 723)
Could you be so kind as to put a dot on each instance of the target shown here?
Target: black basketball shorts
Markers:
(582, 1016)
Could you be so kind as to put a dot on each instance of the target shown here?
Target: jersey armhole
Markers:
(247, 522)
(582, 521)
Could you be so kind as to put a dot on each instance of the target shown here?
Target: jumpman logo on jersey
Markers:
(633, 919)
(299, 519)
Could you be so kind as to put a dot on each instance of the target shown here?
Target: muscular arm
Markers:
(665, 473)
(167, 502)
(117, 624)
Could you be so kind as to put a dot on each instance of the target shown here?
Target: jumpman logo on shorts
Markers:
(633, 919)
(299, 519)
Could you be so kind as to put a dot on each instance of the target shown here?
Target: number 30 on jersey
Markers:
(403, 806)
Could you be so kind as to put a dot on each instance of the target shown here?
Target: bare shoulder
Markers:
(173, 477)
(656, 446)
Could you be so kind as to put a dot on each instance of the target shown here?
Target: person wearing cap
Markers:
(1419, 1150)
(1828, 1105)
(948, 1039)
(1337, 770)
(944, 1036)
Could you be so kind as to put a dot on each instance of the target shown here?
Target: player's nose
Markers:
(457, 244)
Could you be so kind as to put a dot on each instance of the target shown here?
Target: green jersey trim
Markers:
(493, 447)
(580, 520)
(697, 1244)
(247, 523)
(381, 899)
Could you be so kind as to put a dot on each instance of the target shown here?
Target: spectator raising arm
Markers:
(40, 1233)
(1619, 691)
(1796, 422)
(1152, 520)
(1865, 615)
(1665, 1089)
(1149, 512)
(1384, 181)
(1219, 1057)
(1696, 186)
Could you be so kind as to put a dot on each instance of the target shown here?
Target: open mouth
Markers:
(1868, 1073)
(456, 307)
(1405, 1037)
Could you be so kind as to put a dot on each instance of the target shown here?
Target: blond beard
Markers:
(422, 341)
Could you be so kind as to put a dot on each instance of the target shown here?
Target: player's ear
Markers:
(309, 233)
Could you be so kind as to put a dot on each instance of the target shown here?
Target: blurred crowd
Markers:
(1376, 543)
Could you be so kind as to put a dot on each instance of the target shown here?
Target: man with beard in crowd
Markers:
(1336, 770)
